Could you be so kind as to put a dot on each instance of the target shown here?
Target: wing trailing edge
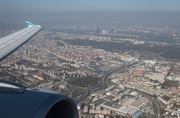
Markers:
(10, 43)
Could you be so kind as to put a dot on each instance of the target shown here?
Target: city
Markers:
(125, 71)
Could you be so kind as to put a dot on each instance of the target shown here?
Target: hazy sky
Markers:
(128, 12)
(105, 5)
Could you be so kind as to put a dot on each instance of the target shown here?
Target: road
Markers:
(100, 84)
(155, 104)
(167, 50)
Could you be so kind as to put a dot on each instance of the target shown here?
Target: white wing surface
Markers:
(10, 43)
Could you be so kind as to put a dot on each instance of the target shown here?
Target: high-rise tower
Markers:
(98, 31)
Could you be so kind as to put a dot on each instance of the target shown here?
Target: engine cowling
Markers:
(18, 101)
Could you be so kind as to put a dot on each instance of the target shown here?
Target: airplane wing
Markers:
(18, 101)
(10, 43)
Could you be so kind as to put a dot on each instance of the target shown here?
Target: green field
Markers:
(170, 83)
(83, 81)
(76, 90)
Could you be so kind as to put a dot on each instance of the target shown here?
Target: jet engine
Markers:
(19, 101)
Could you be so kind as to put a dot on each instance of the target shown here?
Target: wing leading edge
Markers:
(10, 43)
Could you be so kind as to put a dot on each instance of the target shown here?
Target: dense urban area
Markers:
(110, 72)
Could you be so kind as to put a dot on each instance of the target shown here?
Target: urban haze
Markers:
(114, 59)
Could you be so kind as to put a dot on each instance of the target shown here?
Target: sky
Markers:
(103, 5)
(97, 11)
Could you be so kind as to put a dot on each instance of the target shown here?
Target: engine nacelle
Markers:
(17, 101)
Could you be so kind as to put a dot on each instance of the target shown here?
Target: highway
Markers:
(155, 104)
(100, 84)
